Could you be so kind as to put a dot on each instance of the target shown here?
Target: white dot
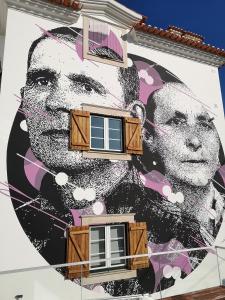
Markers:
(78, 194)
(61, 178)
(154, 163)
(99, 289)
(167, 271)
(180, 197)
(176, 272)
(23, 125)
(98, 208)
(172, 198)
(166, 190)
(212, 214)
(129, 62)
(89, 194)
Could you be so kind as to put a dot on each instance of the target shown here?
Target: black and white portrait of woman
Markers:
(173, 186)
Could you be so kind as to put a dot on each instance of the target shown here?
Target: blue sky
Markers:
(205, 17)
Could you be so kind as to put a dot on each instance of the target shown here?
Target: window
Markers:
(107, 242)
(106, 133)
(103, 42)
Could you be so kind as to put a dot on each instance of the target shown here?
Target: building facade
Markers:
(112, 135)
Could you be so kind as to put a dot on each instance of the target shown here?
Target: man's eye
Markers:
(43, 81)
(87, 87)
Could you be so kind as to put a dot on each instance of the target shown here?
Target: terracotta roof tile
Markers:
(75, 5)
(180, 35)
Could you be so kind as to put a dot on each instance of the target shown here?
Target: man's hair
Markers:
(128, 77)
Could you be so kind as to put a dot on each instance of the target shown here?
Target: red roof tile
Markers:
(179, 35)
(67, 3)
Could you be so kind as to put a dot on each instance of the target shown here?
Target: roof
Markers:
(75, 5)
(179, 35)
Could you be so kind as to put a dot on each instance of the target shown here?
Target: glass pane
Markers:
(97, 121)
(119, 261)
(97, 132)
(117, 231)
(117, 245)
(97, 143)
(98, 264)
(115, 124)
(97, 233)
(98, 247)
(115, 145)
(114, 134)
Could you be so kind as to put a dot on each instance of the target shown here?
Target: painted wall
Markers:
(176, 186)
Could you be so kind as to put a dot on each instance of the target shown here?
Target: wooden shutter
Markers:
(79, 130)
(138, 244)
(133, 139)
(77, 251)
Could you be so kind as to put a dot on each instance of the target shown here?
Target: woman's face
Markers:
(189, 148)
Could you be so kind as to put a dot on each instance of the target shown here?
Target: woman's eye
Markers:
(43, 81)
(207, 125)
(176, 121)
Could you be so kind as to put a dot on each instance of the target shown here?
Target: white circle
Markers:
(154, 163)
(98, 208)
(129, 62)
(180, 197)
(212, 214)
(61, 178)
(172, 198)
(176, 272)
(23, 125)
(167, 271)
(166, 190)
(99, 289)
(78, 194)
(90, 194)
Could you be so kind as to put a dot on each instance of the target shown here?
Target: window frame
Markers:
(106, 134)
(108, 264)
(88, 55)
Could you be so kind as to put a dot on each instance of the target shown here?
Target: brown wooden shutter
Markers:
(133, 139)
(138, 244)
(79, 130)
(77, 251)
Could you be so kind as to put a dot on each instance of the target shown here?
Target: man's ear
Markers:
(137, 109)
(22, 92)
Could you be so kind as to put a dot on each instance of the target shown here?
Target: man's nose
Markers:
(193, 142)
(58, 100)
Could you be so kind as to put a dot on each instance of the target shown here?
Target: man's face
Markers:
(58, 81)
(189, 148)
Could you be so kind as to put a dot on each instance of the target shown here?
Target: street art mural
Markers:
(176, 186)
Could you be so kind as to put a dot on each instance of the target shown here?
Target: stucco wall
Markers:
(21, 244)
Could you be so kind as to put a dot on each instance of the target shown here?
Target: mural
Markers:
(176, 186)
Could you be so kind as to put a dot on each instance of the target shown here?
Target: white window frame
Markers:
(106, 134)
(108, 263)
(89, 56)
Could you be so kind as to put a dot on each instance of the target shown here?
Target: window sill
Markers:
(106, 155)
(109, 276)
